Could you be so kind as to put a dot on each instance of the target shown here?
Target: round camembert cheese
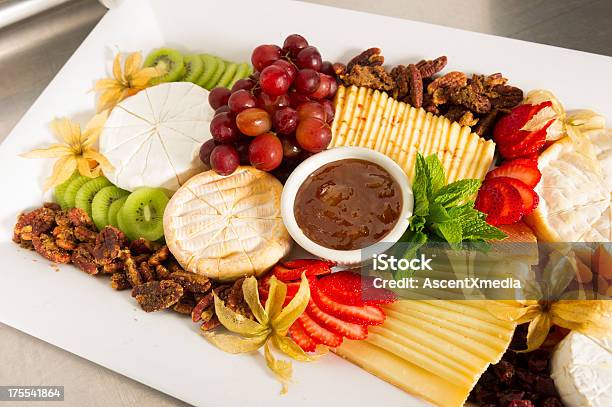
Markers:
(227, 227)
(153, 138)
(581, 368)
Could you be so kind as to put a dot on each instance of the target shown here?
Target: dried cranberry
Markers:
(545, 385)
(552, 402)
(538, 361)
(521, 403)
(504, 371)
(509, 396)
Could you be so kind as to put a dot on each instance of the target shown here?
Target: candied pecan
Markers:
(508, 97)
(494, 80)
(211, 324)
(428, 68)
(455, 112)
(161, 255)
(339, 68)
(85, 234)
(400, 76)
(184, 306)
(205, 304)
(485, 124)
(143, 246)
(83, 258)
(146, 272)
(374, 77)
(471, 99)
(52, 205)
(112, 266)
(369, 57)
(78, 217)
(62, 218)
(64, 237)
(439, 97)
(173, 266)
(131, 271)
(415, 85)
(195, 283)
(109, 242)
(119, 282)
(450, 80)
(161, 272)
(44, 245)
(467, 119)
(157, 295)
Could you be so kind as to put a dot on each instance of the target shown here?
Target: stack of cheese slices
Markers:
(370, 118)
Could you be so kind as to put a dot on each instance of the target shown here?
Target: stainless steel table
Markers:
(32, 50)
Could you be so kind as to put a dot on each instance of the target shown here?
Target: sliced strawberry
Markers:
(528, 196)
(362, 315)
(335, 325)
(529, 174)
(350, 288)
(526, 143)
(530, 161)
(508, 128)
(500, 201)
(264, 288)
(301, 337)
(291, 274)
(318, 333)
(294, 264)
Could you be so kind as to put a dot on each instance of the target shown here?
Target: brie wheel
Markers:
(574, 197)
(153, 138)
(227, 227)
(581, 368)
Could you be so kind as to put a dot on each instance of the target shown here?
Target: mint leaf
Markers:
(421, 187)
(464, 212)
(436, 173)
(438, 214)
(417, 223)
(478, 229)
(451, 231)
(457, 192)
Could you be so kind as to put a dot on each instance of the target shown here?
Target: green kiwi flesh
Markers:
(193, 68)
(230, 71)
(73, 188)
(142, 214)
(102, 202)
(212, 82)
(171, 60)
(242, 71)
(113, 210)
(88, 191)
(60, 190)
(210, 66)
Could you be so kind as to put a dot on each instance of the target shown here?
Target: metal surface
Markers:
(33, 50)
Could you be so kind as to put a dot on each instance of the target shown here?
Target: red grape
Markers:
(240, 100)
(309, 58)
(222, 109)
(205, 151)
(311, 109)
(242, 147)
(294, 44)
(289, 68)
(265, 55)
(296, 99)
(223, 128)
(253, 121)
(313, 135)
(290, 147)
(328, 108)
(323, 88)
(328, 69)
(306, 81)
(266, 152)
(245, 83)
(270, 103)
(224, 159)
(285, 120)
(218, 97)
(274, 80)
(333, 87)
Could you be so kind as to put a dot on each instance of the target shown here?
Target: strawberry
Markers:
(294, 264)
(500, 201)
(351, 288)
(507, 130)
(362, 315)
(526, 143)
(264, 288)
(315, 268)
(528, 196)
(317, 333)
(300, 337)
(530, 160)
(529, 174)
(335, 325)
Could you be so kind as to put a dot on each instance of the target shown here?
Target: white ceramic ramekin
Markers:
(310, 165)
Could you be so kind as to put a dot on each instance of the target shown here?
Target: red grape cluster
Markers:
(278, 116)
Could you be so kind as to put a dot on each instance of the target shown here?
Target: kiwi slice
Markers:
(73, 188)
(210, 66)
(193, 68)
(102, 202)
(228, 75)
(113, 210)
(58, 194)
(212, 82)
(171, 60)
(88, 191)
(242, 71)
(142, 214)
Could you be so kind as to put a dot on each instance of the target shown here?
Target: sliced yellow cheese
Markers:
(403, 374)
(372, 119)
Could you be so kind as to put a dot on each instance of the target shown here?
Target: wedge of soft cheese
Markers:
(227, 227)
(369, 118)
(581, 368)
(153, 138)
